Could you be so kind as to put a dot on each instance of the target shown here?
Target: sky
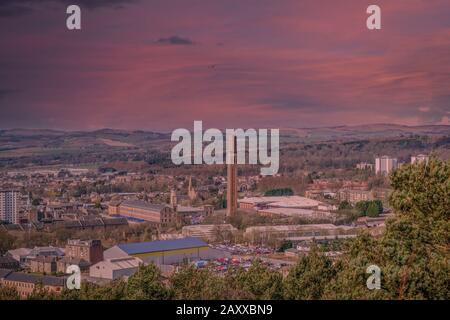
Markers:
(161, 64)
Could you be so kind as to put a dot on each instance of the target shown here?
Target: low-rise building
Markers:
(115, 268)
(8, 262)
(63, 263)
(20, 254)
(164, 252)
(279, 202)
(211, 232)
(142, 211)
(354, 196)
(421, 158)
(88, 250)
(307, 214)
(43, 264)
(364, 166)
(26, 283)
(263, 233)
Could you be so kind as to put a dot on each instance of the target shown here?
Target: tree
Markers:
(6, 242)
(147, 284)
(286, 244)
(362, 207)
(279, 192)
(8, 293)
(379, 204)
(372, 210)
(261, 282)
(309, 277)
(115, 290)
(345, 205)
(413, 253)
(197, 284)
(41, 293)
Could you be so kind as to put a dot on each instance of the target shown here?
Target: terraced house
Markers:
(26, 283)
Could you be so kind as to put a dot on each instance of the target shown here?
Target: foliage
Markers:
(286, 244)
(413, 253)
(260, 282)
(345, 205)
(309, 277)
(8, 293)
(372, 210)
(6, 242)
(147, 284)
(279, 192)
(115, 290)
(196, 284)
(369, 208)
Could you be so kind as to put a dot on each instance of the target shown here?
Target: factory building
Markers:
(113, 269)
(164, 252)
(280, 202)
(264, 233)
(142, 211)
(211, 232)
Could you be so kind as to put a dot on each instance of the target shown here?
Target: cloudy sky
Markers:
(159, 65)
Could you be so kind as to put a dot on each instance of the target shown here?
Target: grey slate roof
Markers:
(31, 278)
(4, 273)
(144, 205)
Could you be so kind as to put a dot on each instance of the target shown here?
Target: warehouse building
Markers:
(281, 202)
(210, 232)
(264, 233)
(307, 214)
(142, 211)
(112, 269)
(165, 252)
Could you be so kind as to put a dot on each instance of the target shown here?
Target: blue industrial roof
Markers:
(161, 245)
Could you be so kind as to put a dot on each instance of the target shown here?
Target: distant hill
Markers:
(339, 146)
(366, 131)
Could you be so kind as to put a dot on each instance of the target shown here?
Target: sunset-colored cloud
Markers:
(161, 65)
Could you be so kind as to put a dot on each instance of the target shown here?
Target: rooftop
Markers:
(297, 227)
(161, 245)
(31, 278)
(283, 201)
(120, 263)
(295, 212)
(143, 205)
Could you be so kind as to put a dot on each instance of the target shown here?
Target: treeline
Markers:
(279, 192)
(372, 208)
(110, 237)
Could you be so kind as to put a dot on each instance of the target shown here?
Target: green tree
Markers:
(345, 205)
(147, 284)
(362, 207)
(6, 241)
(286, 244)
(261, 282)
(41, 293)
(8, 293)
(115, 290)
(413, 253)
(373, 210)
(197, 284)
(279, 192)
(379, 205)
(309, 277)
